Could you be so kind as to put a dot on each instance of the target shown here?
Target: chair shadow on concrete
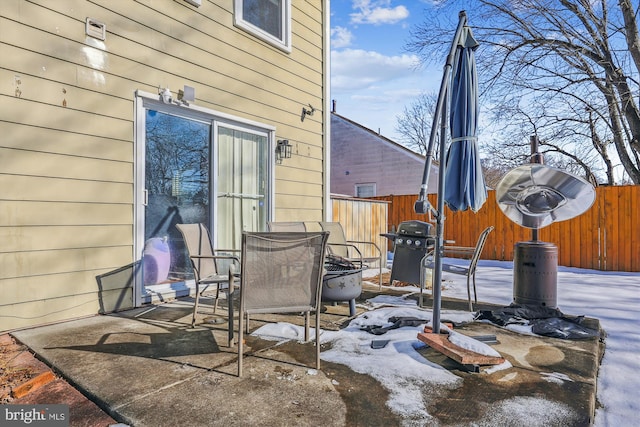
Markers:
(115, 288)
(174, 342)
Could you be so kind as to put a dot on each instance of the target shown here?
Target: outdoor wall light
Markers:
(283, 150)
(306, 112)
(165, 95)
(184, 96)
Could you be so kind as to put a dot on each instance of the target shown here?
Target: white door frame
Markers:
(141, 102)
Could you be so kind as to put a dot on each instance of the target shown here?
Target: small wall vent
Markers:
(96, 29)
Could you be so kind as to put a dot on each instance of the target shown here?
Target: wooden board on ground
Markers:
(396, 283)
(441, 343)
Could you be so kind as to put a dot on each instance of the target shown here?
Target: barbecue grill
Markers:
(412, 241)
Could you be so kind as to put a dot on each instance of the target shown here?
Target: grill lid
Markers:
(414, 228)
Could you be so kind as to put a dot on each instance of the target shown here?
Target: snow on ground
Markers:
(611, 297)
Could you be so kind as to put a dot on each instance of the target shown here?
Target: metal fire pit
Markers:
(535, 274)
(341, 282)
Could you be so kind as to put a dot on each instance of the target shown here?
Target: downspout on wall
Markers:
(326, 76)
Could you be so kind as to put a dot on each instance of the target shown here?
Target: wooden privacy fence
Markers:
(606, 237)
(362, 220)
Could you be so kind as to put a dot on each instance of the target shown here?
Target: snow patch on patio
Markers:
(611, 297)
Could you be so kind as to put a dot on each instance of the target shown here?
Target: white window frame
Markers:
(283, 43)
(371, 185)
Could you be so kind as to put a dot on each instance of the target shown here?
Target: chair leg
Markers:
(195, 305)
(475, 293)
(230, 315)
(230, 291)
(352, 307)
(423, 279)
(215, 303)
(307, 317)
(469, 294)
(317, 339)
(240, 342)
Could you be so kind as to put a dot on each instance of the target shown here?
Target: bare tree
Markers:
(493, 171)
(414, 125)
(564, 69)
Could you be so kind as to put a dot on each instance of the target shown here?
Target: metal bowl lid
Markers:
(536, 195)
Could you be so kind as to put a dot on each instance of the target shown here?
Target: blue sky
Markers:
(373, 77)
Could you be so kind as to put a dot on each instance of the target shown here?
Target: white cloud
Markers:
(340, 37)
(357, 68)
(377, 12)
(372, 89)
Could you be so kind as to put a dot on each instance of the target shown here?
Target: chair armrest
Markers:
(215, 257)
(459, 250)
(366, 243)
(227, 250)
(233, 257)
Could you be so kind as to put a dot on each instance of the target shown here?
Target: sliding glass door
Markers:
(242, 185)
(177, 166)
(196, 167)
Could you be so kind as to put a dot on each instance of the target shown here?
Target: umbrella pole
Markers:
(422, 205)
(439, 243)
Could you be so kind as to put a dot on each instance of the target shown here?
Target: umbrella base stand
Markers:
(466, 357)
(535, 274)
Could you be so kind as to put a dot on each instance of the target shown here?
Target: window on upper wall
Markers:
(269, 20)
(365, 190)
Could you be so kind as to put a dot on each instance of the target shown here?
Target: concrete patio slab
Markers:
(147, 367)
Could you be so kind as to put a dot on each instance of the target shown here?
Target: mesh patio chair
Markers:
(339, 245)
(470, 253)
(286, 226)
(332, 280)
(204, 260)
(281, 273)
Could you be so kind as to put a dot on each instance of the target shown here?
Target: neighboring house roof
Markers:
(361, 157)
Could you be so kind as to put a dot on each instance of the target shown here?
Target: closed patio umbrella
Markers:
(464, 183)
(461, 184)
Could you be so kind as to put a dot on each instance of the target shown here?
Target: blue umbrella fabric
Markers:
(464, 183)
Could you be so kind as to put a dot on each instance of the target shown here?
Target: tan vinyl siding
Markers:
(297, 202)
(43, 311)
(61, 237)
(39, 263)
(49, 288)
(67, 127)
(42, 213)
(25, 137)
(21, 187)
(61, 165)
